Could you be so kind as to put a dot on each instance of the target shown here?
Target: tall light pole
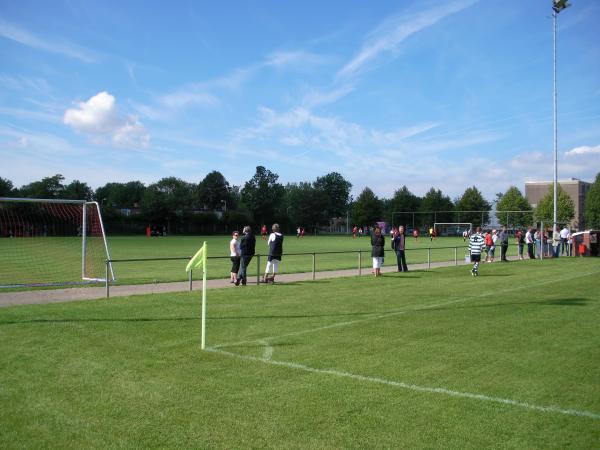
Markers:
(557, 6)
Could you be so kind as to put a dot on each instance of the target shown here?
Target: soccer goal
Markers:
(52, 242)
(452, 228)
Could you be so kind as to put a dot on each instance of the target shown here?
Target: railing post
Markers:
(314, 266)
(190, 279)
(107, 279)
(258, 269)
(456, 256)
(359, 263)
(429, 257)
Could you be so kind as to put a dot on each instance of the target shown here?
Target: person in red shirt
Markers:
(263, 232)
(416, 234)
(354, 231)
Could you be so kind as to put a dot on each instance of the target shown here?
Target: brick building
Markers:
(576, 189)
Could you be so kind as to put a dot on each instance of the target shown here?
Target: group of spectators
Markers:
(546, 243)
(242, 250)
(398, 244)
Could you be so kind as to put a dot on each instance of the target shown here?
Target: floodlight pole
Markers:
(557, 6)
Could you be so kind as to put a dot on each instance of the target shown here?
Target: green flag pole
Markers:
(199, 260)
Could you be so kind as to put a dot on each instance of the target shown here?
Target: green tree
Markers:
(335, 192)
(77, 190)
(165, 202)
(263, 195)
(402, 201)
(513, 200)
(435, 200)
(120, 195)
(6, 187)
(304, 204)
(214, 192)
(592, 205)
(472, 200)
(367, 209)
(48, 187)
(565, 207)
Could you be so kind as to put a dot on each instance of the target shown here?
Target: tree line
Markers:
(214, 205)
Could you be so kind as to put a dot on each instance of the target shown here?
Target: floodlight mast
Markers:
(557, 7)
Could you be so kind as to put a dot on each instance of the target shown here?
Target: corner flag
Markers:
(199, 260)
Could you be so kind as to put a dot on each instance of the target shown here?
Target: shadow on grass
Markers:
(179, 319)
(575, 301)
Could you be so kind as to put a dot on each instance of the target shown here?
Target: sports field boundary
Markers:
(96, 293)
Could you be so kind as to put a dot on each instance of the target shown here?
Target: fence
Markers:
(158, 270)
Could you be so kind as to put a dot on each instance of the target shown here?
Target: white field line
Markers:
(411, 387)
(376, 316)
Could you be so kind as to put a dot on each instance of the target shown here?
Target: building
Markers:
(576, 189)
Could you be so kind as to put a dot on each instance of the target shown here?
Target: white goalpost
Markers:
(452, 228)
(52, 242)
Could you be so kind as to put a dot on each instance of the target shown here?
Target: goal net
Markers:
(452, 228)
(51, 242)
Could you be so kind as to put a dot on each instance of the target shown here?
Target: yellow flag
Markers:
(198, 260)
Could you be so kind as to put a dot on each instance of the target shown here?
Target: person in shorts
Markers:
(275, 244)
(234, 253)
(476, 246)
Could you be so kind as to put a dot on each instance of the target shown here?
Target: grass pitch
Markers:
(427, 359)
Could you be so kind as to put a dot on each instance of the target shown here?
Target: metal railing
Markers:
(313, 256)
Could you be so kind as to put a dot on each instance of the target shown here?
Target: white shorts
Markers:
(377, 262)
(272, 266)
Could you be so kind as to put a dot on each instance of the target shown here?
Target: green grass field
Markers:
(61, 262)
(428, 359)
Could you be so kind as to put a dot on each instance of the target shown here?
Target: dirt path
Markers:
(93, 293)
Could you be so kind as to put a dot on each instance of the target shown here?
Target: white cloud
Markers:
(296, 58)
(584, 150)
(99, 118)
(65, 48)
(394, 31)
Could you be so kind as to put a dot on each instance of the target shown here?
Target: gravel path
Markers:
(94, 293)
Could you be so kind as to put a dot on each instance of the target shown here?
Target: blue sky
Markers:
(446, 94)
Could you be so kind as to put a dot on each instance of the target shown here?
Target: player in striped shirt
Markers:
(476, 245)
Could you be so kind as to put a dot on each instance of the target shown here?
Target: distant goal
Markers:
(452, 228)
(52, 242)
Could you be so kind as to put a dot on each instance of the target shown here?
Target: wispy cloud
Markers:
(391, 33)
(584, 150)
(65, 48)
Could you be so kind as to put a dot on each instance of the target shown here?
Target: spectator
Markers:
(564, 239)
(529, 240)
(377, 251)
(398, 245)
(234, 253)
(520, 239)
(503, 238)
(275, 244)
(488, 244)
(247, 250)
(556, 241)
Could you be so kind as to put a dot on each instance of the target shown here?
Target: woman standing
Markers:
(234, 252)
(377, 251)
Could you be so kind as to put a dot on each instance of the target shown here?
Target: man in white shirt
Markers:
(564, 239)
(529, 242)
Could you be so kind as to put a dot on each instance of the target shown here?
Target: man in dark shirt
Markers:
(398, 244)
(247, 249)
(503, 244)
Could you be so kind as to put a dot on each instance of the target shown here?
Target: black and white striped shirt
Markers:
(476, 244)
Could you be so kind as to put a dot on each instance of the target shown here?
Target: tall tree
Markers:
(304, 204)
(335, 190)
(48, 187)
(401, 205)
(166, 200)
(120, 195)
(367, 209)
(513, 200)
(472, 200)
(6, 187)
(565, 207)
(77, 190)
(263, 195)
(214, 192)
(435, 201)
(592, 205)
